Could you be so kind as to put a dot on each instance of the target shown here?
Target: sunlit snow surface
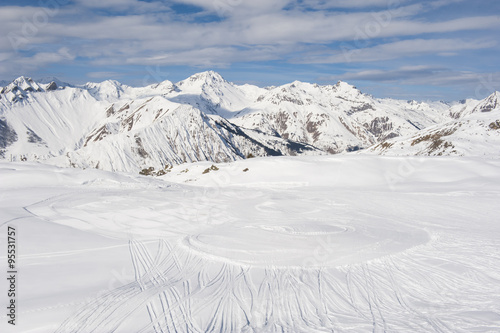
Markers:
(294, 244)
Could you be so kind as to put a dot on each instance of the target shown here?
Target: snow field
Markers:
(307, 244)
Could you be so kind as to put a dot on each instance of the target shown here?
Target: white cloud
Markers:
(424, 75)
(238, 7)
(150, 33)
(325, 4)
(21, 65)
(402, 73)
(134, 6)
(399, 49)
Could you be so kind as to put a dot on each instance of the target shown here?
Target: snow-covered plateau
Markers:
(341, 243)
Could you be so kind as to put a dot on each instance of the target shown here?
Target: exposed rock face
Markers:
(491, 103)
(51, 86)
(7, 136)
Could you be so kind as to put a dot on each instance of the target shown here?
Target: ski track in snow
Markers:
(273, 299)
(169, 288)
(289, 260)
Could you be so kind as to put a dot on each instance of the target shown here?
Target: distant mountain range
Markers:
(116, 127)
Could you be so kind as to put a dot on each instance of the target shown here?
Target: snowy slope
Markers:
(158, 133)
(47, 124)
(475, 132)
(335, 118)
(344, 243)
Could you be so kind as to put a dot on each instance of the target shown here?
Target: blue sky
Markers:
(431, 49)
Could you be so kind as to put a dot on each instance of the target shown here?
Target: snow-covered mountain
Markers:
(475, 132)
(157, 132)
(116, 127)
(335, 118)
(121, 128)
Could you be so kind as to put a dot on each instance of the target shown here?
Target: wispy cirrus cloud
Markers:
(400, 49)
(464, 83)
(416, 75)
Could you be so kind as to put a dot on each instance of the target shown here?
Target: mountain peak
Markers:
(166, 86)
(106, 83)
(297, 83)
(488, 104)
(105, 89)
(346, 88)
(25, 83)
(52, 79)
(20, 86)
(204, 77)
(22, 79)
(344, 85)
